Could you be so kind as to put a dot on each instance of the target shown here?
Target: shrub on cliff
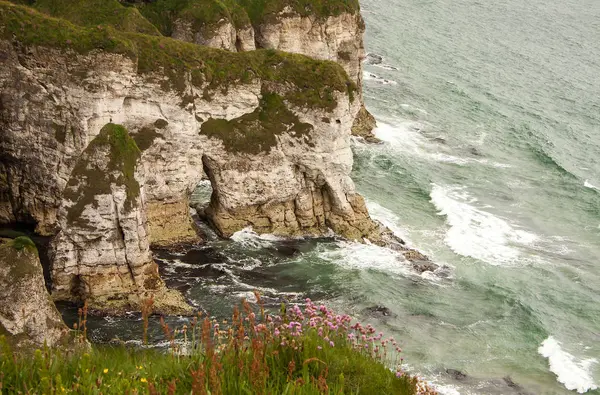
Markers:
(310, 351)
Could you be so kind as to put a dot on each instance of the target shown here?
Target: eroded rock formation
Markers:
(271, 131)
(28, 316)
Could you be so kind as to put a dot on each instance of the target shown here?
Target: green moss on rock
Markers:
(21, 257)
(312, 83)
(24, 242)
(89, 179)
(146, 136)
(257, 132)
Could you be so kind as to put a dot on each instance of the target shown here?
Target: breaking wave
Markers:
(477, 233)
(574, 375)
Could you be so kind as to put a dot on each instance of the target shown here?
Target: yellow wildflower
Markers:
(105, 371)
(143, 380)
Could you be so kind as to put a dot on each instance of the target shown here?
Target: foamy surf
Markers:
(367, 257)
(250, 239)
(407, 137)
(377, 79)
(574, 375)
(388, 218)
(476, 233)
(587, 184)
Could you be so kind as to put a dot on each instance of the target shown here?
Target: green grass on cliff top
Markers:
(311, 352)
(311, 82)
(98, 12)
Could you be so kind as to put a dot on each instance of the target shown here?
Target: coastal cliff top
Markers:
(312, 82)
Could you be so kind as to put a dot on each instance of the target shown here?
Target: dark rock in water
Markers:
(285, 250)
(456, 374)
(518, 389)
(372, 58)
(474, 151)
(388, 67)
(424, 266)
(379, 310)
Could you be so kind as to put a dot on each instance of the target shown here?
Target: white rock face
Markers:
(222, 35)
(337, 38)
(55, 103)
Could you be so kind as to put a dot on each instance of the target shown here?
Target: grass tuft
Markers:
(24, 242)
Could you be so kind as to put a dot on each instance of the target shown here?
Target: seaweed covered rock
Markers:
(28, 317)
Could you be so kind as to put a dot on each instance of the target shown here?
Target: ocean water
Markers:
(489, 114)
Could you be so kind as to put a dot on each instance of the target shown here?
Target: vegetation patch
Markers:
(96, 13)
(24, 242)
(19, 265)
(312, 83)
(145, 137)
(90, 179)
(261, 11)
(257, 131)
(298, 351)
(203, 15)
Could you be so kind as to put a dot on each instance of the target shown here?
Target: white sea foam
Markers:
(388, 218)
(250, 239)
(406, 137)
(367, 257)
(587, 184)
(477, 233)
(367, 76)
(573, 374)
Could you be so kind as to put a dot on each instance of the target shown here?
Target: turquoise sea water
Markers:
(490, 117)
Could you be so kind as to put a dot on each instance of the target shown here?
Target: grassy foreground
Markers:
(310, 351)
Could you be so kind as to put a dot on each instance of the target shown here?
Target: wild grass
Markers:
(299, 351)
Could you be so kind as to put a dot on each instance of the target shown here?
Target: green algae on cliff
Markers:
(89, 180)
(313, 83)
(19, 265)
(257, 131)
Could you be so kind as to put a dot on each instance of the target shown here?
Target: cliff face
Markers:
(27, 315)
(270, 130)
(331, 31)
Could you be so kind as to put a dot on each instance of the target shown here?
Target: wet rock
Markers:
(372, 58)
(363, 126)
(474, 151)
(422, 266)
(457, 374)
(379, 310)
(516, 387)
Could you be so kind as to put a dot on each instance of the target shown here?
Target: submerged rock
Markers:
(28, 316)
(379, 310)
(456, 374)
(372, 58)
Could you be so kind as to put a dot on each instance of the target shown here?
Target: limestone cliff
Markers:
(271, 130)
(28, 316)
(331, 30)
